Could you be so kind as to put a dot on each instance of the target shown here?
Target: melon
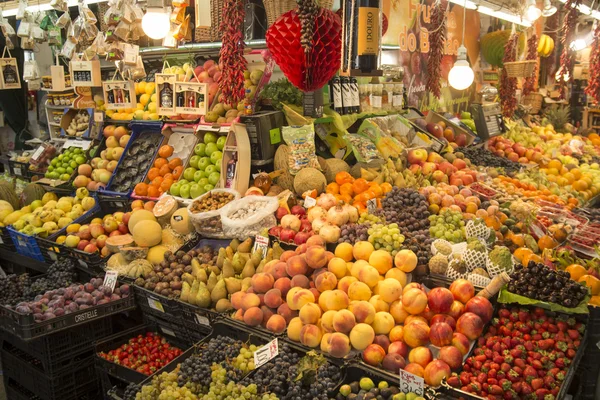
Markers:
(282, 155)
(131, 253)
(181, 223)
(171, 239)
(147, 233)
(164, 209)
(332, 166)
(139, 215)
(116, 262)
(31, 193)
(12, 217)
(309, 179)
(115, 243)
(285, 180)
(5, 205)
(7, 193)
(156, 254)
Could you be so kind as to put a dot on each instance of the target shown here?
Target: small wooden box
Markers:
(165, 93)
(191, 98)
(119, 95)
(237, 142)
(86, 73)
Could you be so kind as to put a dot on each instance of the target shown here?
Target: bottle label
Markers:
(368, 31)
(337, 95)
(347, 95)
(397, 100)
(376, 101)
(355, 95)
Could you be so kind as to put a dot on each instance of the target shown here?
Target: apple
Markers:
(194, 161)
(184, 191)
(203, 181)
(439, 176)
(199, 175)
(435, 130)
(459, 164)
(203, 163)
(216, 156)
(428, 167)
(199, 150)
(213, 178)
(417, 156)
(174, 190)
(196, 190)
(209, 170)
(208, 187)
(189, 173)
(221, 142)
(211, 148)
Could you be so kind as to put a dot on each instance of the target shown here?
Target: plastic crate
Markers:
(6, 241)
(26, 328)
(19, 169)
(70, 384)
(25, 245)
(197, 321)
(354, 373)
(172, 327)
(57, 351)
(152, 303)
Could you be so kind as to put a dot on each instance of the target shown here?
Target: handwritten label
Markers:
(202, 320)
(155, 305)
(82, 144)
(98, 117)
(38, 152)
(410, 383)
(119, 204)
(17, 170)
(110, 279)
(309, 202)
(266, 353)
(372, 206)
(261, 243)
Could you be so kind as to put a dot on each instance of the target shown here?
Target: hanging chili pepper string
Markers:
(232, 52)
(529, 84)
(508, 85)
(567, 58)
(593, 87)
(437, 37)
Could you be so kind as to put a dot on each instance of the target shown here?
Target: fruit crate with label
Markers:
(154, 304)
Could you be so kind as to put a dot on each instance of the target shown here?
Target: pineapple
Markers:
(558, 117)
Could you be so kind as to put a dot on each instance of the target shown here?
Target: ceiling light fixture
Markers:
(156, 22)
(549, 10)
(461, 75)
(532, 12)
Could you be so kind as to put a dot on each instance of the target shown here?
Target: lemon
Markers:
(146, 116)
(154, 117)
(141, 88)
(144, 99)
(140, 106)
(151, 107)
(153, 98)
(149, 88)
(139, 114)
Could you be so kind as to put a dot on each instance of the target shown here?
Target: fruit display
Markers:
(441, 130)
(98, 172)
(366, 388)
(203, 171)
(64, 165)
(448, 225)
(144, 353)
(165, 170)
(293, 226)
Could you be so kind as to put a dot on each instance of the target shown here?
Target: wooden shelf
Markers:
(57, 107)
(69, 89)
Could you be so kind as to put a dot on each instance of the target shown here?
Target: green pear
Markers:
(194, 292)
(234, 245)
(212, 281)
(223, 305)
(188, 278)
(238, 263)
(245, 246)
(219, 291)
(233, 285)
(185, 291)
(229, 252)
(221, 257)
(228, 271)
(203, 296)
(248, 270)
(277, 251)
(256, 257)
(246, 283)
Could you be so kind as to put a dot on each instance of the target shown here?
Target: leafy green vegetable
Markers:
(282, 91)
(508, 297)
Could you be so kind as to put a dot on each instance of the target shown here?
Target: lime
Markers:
(73, 164)
(77, 150)
(80, 160)
(60, 170)
(65, 177)
(50, 168)
(366, 384)
(69, 170)
(54, 162)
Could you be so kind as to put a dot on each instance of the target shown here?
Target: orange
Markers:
(141, 189)
(580, 185)
(176, 162)
(576, 172)
(386, 187)
(166, 184)
(360, 185)
(377, 190)
(555, 164)
(346, 188)
(165, 151)
(592, 282)
(576, 271)
(159, 162)
(157, 181)
(169, 177)
(153, 191)
(153, 173)
(531, 257)
(345, 198)
(333, 188)
(343, 177)
(177, 172)
(521, 252)
(165, 170)
(547, 242)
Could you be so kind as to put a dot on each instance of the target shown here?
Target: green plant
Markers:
(282, 91)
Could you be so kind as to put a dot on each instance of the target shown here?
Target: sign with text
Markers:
(266, 353)
(110, 279)
(410, 383)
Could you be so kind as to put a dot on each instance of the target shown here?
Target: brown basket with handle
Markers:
(276, 8)
(520, 69)
(211, 33)
(533, 100)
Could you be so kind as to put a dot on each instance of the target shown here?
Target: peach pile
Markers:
(444, 196)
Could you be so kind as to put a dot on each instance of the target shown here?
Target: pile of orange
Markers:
(357, 191)
(515, 186)
(594, 138)
(162, 175)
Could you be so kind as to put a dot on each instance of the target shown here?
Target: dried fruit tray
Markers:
(24, 326)
(483, 190)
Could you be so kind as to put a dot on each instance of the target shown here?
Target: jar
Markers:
(67, 80)
(56, 100)
(47, 81)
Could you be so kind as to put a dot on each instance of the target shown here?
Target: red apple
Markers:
(417, 156)
(82, 244)
(428, 167)
(373, 355)
(462, 290)
(443, 318)
(459, 164)
(461, 342)
(383, 341)
(470, 325)
(451, 356)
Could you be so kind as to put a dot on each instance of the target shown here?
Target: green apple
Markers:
(50, 168)
(61, 170)
(203, 163)
(65, 177)
(202, 181)
(209, 187)
(174, 190)
(213, 178)
(183, 182)
(196, 190)
(194, 161)
(215, 157)
(210, 169)
(210, 137)
(69, 170)
(221, 142)
(211, 148)
(189, 173)
(54, 162)
(184, 191)
(199, 175)
(199, 150)
(80, 160)
(218, 167)
(73, 164)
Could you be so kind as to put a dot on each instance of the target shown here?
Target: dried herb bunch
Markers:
(307, 13)
(437, 37)
(233, 63)
(508, 85)
(567, 58)
(593, 87)
(529, 84)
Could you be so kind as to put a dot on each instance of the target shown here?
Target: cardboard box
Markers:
(191, 98)
(264, 133)
(237, 143)
(68, 117)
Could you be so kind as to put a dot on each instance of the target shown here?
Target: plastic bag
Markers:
(60, 5)
(209, 223)
(63, 20)
(30, 70)
(387, 145)
(22, 10)
(248, 216)
(301, 141)
(54, 36)
(24, 29)
(363, 149)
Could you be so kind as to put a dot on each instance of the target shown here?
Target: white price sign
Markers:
(262, 243)
(17, 171)
(110, 279)
(155, 305)
(309, 202)
(266, 353)
(411, 383)
(99, 117)
(372, 206)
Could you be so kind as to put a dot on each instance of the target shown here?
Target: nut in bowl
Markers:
(205, 213)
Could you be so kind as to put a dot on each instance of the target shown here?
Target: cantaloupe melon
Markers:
(164, 209)
(31, 193)
(309, 179)
(139, 215)
(156, 254)
(332, 166)
(7, 193)
(171, 239)
(133, 253)
(181, 223)
(115, 243)
(147, 233)
(116, 261)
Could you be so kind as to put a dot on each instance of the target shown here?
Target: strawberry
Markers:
(517, 387)
(580, 327)
(454, 381)
(539, 312)
(495, 389)
(529, 373)
(524, 315)
(519, 362)
(504, 313)
(560, 376)
(482, 377)
(526, 389)
(537, 364)
(500, 375)
(571, 322)
(571, 353)
(537, 383)
(541, 393)
(464, 378)
(561, 363)
(560, 346)
(573, 334)
(492, 381)
(513, 376)
(549, 382)
(562, 326)
(494, 366)
(498, 359)
(475, 387)
(505, 367)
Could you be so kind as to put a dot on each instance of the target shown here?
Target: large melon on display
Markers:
(7, 193)
(138, 216)
(147, 233)
(156, 254)
(31, 193)
(181, 223)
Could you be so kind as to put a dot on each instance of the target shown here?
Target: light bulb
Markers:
(578, 44)
(461, 75)
(532, 12)
(549, 10)
(155, 23)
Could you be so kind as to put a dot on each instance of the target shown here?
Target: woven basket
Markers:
(211, 34)
(276, 8)
(533, 100)
(520, 69)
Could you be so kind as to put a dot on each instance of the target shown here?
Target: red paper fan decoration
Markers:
(307, 71)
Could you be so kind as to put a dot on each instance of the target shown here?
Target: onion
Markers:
(326, 201)
(352, 212)
(316, 213)
(330, 233)
(317, 224)
(338, 215)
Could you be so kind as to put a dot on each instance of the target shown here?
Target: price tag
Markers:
(38, 152)
(155, 305)
(99, 117)
(119, 204)
(372, 206)
(202, 320)
(82, 144)
(266, 353)
(168, 332)
(411, 383)
(110, 279)
(309, 202)
(17, 170)
(52, 256)
(262, 243)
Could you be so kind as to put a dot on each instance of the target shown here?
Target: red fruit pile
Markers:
(145, 353)
(524, 355)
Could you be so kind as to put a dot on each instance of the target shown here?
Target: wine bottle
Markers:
(368, 35)
(336, 89)
(346, 95)
(355, 95)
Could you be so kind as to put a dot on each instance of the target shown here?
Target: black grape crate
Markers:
(171, 326)
(26, 328)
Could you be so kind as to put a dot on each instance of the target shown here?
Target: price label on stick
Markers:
(309, 202)
(110, 279)
(411, 383)
(266, 353)
(262, 243)
(372, 206)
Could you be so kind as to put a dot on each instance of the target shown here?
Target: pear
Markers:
(246, 283)
(201, 275)
(256, 257)
(223, 305)
(234, 244)
(212, 281)
(203, 296)
(219, 291)
(269, 256)
(193, 292)
(238, 263)
(277, 251)
(245, 246)
(185, 291)
(188, 278)
(195, 266)
(221, 257)
(260, 267)
(228, 271)
(233, 285)
(229, 252)
(215, 269)
(248, 270)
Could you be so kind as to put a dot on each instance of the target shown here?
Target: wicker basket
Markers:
(211, 34)
(520, 69)
(533, 100)
(276, 8)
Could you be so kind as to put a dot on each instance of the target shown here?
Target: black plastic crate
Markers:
(26, 328)
(354, 372)
(15, 391)
(6, 242)
(173, 327)
(155, 304)
(69, 384)
(57, 351)
(19, 169)
(195, 317)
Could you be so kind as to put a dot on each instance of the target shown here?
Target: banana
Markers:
(549, 47)
(542, 44)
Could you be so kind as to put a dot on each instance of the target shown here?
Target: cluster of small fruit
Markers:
(406, 207)
(483, 157)
(448, 225)
(62, 166)
(220, 388)
(162, 175)
(386, 237)
(164, 386)
(365, 388)
(130, 391)
(12, 287)
(353, 233)
(242, 364)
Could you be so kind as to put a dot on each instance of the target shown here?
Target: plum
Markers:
(88, 287)
(45, 301)
(117, 291)
(114, 297)
(107, 291)
(59, 311)
(103, 301)
(80, 301)
(61, 291)
(73, 307)
(69, 294)
(83, 306)
(38, 317)
(38, 297)
(23, 309)
(49, 315)
(124, 289)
